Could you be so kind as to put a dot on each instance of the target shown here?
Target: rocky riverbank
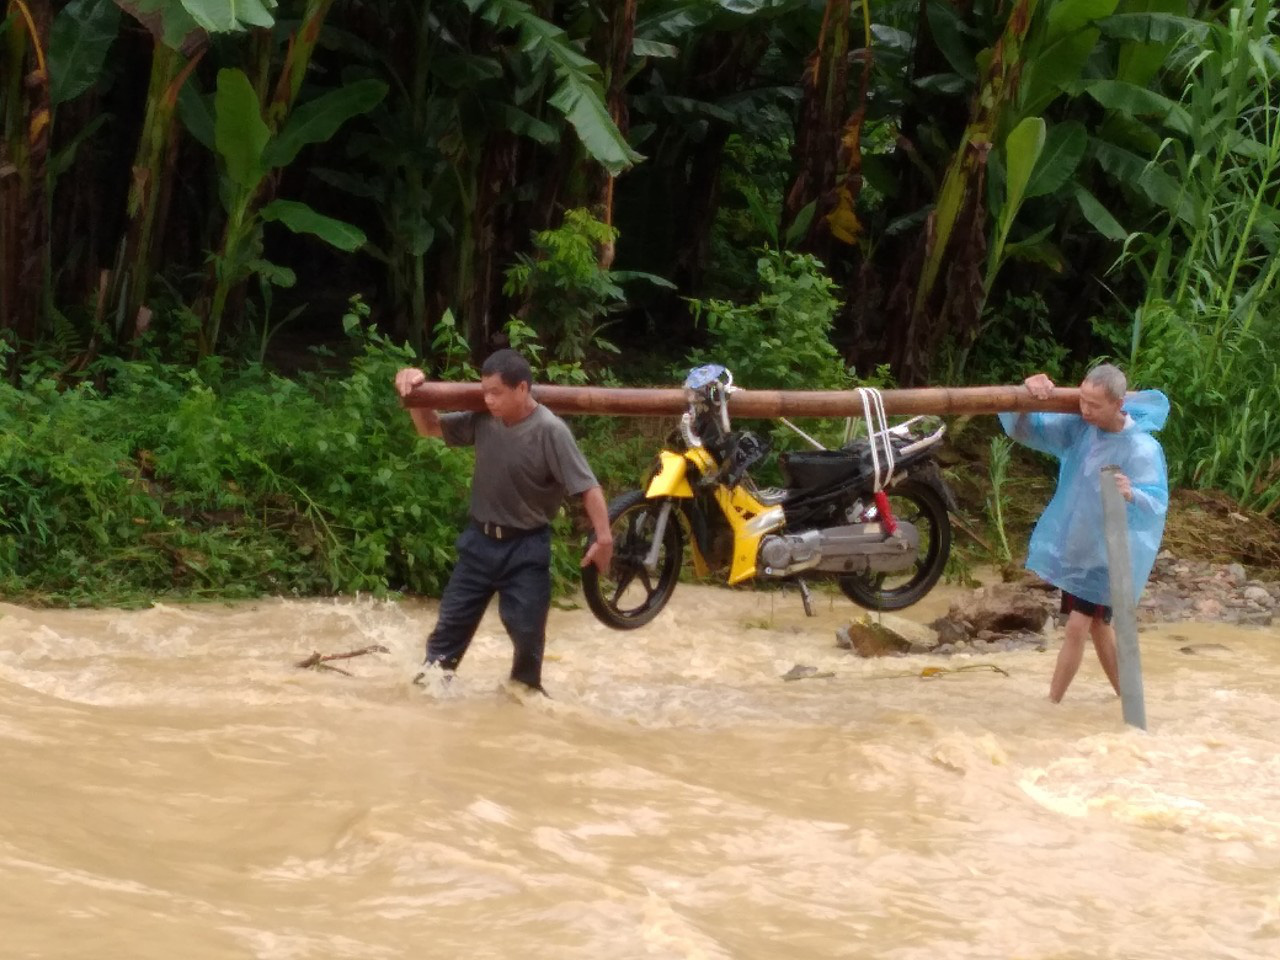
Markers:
(1008, 616)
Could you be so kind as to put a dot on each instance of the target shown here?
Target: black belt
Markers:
(502, 532)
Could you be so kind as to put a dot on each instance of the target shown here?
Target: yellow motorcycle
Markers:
(872, 515)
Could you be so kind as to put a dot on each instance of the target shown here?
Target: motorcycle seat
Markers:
(809, 469)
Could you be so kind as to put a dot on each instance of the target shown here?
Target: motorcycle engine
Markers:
(857, 548)
(789, 554)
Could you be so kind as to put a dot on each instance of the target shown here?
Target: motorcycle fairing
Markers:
(671, 479)
(750, 520)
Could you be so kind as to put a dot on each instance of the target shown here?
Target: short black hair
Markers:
(513, 368)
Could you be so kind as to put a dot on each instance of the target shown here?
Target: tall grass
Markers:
(998, 465)
(1208, 331)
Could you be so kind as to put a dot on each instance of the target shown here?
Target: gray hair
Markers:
(1110, 378)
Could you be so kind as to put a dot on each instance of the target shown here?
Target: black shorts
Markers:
(1096, 611)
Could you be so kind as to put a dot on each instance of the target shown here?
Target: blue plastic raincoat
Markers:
(1068, 547)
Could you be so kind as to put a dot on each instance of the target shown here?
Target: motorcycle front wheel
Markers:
(631, 594)
(920, 505)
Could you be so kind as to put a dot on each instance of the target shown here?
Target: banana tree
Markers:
(83, 34)
(180, 31)
(613, 41)
(26, 111)
(572, 85)
(709, 71)
(460, 147)
(249, 154)
(1041, 52)
(398, 166)
(822, 199)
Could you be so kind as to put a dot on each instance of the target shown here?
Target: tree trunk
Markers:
(722, 64)
(817, 144)
(946, 272)
(24, 232)
(614, 42)
(150, 186)
(486, 238)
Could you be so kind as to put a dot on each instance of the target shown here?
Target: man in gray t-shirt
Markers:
(526, 463)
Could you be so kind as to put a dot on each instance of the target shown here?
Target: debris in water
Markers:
(803, 672)
(1209, 649)
(320, 661)
(929, 673)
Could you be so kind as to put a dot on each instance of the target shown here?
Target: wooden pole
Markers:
(763, 404)
(1123, 613)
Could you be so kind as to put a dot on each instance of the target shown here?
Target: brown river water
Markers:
(174, 787)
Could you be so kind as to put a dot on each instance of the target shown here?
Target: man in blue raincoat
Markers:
(1068, 545)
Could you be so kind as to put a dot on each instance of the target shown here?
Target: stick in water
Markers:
(320, 661)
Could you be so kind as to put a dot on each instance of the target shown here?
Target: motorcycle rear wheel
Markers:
(629, 596)
(918, 504)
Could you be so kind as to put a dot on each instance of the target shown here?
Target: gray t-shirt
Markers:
(522, 472)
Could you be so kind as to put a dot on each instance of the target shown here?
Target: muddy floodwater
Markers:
(175, 788)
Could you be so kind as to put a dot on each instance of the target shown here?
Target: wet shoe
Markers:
(423, 677)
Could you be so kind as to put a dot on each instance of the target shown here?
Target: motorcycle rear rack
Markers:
(881, 437)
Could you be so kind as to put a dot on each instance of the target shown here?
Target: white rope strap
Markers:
(877, 435)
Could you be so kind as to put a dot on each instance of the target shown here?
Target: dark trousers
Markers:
(519, 572)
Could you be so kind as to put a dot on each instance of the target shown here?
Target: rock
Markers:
(1169, 606)
(952, 631)
(909, 633)
(1205, 650)
(1209, 607)
(1258, 595)
(1236, 574)
(803, 671)
(999, 609)
(870, 639)
(907, 629)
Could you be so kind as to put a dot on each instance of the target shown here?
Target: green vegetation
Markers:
(1208, 329)
(998, 465)
(814, 192)
(146, 480)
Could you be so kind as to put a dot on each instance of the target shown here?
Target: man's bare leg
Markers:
(1104, 642)
(1070, 655)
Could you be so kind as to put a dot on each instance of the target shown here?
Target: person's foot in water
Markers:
(423, 677)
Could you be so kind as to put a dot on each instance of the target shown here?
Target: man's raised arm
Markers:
(426, 420)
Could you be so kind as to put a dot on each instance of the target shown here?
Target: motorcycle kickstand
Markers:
(805, 597)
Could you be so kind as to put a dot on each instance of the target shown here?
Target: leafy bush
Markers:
(1016, 339)
(208, 482)
(567, 293)
(149, 480)
(781, 340)
(754, 179)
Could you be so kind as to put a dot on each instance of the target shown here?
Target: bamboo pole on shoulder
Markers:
(763, 404)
